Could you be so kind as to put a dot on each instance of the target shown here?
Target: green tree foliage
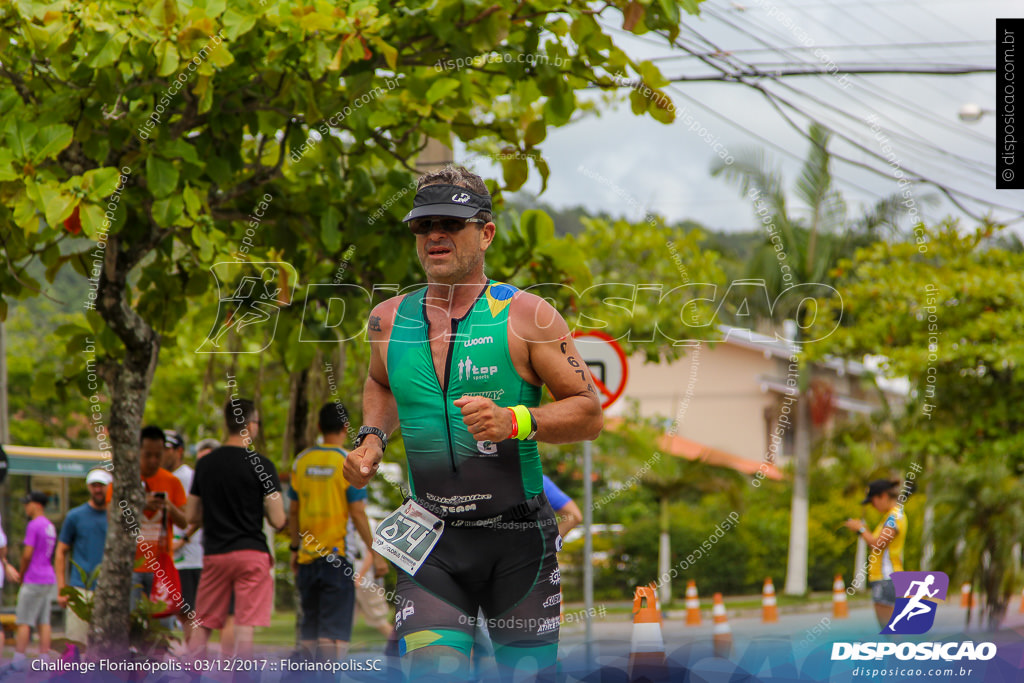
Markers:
(653, 285)
(802, 243)
(947, 314)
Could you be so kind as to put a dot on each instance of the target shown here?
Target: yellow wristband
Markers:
(523, 422)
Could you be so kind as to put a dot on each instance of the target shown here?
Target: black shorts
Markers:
(509, 570)
(883, 592)
(328, 597)
(189, 586)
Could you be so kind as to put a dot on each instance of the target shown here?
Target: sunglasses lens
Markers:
(424, 226)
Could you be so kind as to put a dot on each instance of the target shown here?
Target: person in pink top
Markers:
(38, 579)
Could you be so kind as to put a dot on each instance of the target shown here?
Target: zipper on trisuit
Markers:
(444, 391)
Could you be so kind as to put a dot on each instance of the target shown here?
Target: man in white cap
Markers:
(83, 534)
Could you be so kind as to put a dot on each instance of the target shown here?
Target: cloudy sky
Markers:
(627, 165)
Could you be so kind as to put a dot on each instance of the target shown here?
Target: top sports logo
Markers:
(914, 613)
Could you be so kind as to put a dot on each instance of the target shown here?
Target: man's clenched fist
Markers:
(485, 420)
(362, 463)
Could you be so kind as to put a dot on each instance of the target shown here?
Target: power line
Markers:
(868, 85)
(730, 67)
(774, 99)
(755, 72)
(875, 30)
(926, 145)
(854, 46)
(740, 7)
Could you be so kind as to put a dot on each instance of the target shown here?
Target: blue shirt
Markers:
(555, 495)
(85, 530)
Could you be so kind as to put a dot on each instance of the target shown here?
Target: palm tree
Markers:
(813, 236)
(980, 522)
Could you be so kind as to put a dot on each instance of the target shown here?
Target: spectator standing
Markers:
(233, 489)
(38, 587)
(195, 531)
(82, 538)
(165, 502)
(9, 570)
(885, 544)
(321, 504)
(188, 553)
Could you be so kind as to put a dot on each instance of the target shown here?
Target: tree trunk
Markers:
(301, 412)
(110, 623)
(129, 382)
(664, 555)
(927, 525)
(860, 564)
(796, 567)
(298, 414)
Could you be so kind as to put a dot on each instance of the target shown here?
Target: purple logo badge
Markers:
(917, 595)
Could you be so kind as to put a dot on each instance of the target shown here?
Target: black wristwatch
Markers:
(533, 426)
(379, 433)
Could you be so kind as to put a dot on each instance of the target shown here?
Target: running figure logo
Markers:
(255, 294)
(914, 613)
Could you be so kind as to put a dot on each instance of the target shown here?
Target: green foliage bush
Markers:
(741, 558)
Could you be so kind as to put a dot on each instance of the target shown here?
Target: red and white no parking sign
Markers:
(607, 363)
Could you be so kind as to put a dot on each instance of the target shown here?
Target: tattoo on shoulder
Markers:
(375, 323)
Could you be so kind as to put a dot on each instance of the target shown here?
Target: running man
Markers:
(914, 607)
(885, 545)
(470, 356)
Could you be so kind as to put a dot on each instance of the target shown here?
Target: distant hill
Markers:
(736, 248)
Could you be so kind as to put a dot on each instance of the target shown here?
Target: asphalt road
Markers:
(797, 647)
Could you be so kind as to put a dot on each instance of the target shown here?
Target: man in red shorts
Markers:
(234, 487)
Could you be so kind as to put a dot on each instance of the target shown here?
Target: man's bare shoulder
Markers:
(535, 320)
(382, 318)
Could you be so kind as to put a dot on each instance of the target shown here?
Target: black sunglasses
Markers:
(422, 226)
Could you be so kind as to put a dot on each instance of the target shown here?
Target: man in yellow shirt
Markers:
(321, 504)
(885, 544)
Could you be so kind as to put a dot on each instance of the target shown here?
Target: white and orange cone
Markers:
(769, 606)
(647, 649)
(721, 634)
(840, 608)
(692, 604)
(965, 594)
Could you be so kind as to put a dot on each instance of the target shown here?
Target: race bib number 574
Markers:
(407, 536)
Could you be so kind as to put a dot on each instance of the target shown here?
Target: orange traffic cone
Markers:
(1022, 602)
(840, 609)
(769, 608)
(692, 604)
(647, 650)
(965, 594)
(721, 634)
